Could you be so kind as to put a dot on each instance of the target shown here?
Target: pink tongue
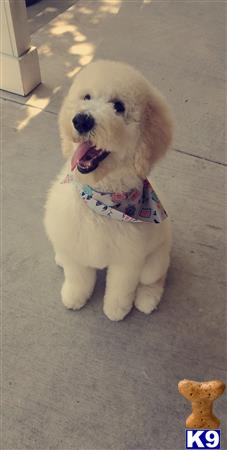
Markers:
(80, 151)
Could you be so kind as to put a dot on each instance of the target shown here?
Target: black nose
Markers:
(83, 122)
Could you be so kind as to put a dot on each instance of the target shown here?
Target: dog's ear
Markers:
(156, 127)
(64, 123)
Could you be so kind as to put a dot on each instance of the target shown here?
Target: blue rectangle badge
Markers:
(205, 439)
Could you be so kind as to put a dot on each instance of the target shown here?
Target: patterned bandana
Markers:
(131, 206)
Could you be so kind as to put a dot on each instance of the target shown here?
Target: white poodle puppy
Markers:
(102, 212)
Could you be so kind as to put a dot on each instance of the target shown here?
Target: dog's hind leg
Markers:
(58, 261)
(152, 280)
(78, 285)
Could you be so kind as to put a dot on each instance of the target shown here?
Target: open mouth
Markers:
(87, 157)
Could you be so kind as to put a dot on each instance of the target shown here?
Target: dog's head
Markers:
(113, 117)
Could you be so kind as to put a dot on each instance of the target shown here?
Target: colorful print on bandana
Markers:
(131, 206)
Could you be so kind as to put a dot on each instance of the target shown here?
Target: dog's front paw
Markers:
(71, 297)
(148, 297)
(115, 313)
(115, 310)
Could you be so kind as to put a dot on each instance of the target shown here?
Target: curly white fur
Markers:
(136, 255)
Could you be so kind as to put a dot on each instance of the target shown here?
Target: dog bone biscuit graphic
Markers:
(202, 396)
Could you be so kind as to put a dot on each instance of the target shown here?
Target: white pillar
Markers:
(19, 61)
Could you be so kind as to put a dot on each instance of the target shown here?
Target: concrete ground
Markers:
(75, 380)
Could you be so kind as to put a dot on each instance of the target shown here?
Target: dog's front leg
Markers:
(120, 290)
(78, 285)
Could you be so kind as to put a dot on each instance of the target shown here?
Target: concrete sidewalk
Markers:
(75, 380)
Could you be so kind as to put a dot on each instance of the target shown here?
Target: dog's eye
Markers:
(87, 97)
(119, 106)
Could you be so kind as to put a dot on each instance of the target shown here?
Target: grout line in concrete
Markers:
(200, 157)
(27, 104)
(174, 149)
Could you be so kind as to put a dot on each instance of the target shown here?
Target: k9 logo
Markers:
(205, 439)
